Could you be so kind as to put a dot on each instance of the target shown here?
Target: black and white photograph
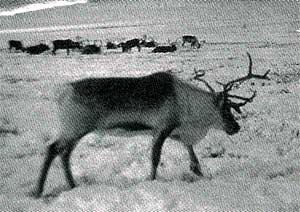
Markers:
(150, 105)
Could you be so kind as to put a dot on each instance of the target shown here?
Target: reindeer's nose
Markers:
(233, 130)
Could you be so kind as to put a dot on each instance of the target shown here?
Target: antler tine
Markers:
(249, 99)
(228, 86)
(236, 106)
(201, 73)
(220, 83)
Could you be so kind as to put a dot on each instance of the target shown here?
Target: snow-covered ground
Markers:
(257, 169)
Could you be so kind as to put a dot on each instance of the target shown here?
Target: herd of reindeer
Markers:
(126, 46)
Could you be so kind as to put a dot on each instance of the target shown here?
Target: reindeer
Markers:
(165, 49)
(65, 44)
(128, 45)
(15, 44)
(192, 40)
(148, 43)
(112, 45)
(92, 48)
(161, 102)
(37, 49)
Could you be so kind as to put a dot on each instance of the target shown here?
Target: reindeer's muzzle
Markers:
(233, 129)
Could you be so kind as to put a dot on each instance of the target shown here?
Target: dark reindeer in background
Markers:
(16, 45)
(65, 44)
(92, 48)
(165, 49)
(193, 40)
(112, 45)
(160, 102)
(148, 44)
(128, 45)
(37, 49)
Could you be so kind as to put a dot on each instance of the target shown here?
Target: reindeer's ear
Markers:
(220, 99)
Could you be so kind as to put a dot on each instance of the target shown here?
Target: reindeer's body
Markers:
(152, 101)
(165, 49)
(192, 40)
(161, 102)
(128, 45)
(115, 102)
(15, 44)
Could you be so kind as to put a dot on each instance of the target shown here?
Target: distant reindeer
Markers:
(112, 45)
(165, 49)
(193, 40)
(128, 45)
(37, 49)
(16, 45)
(148, 43)
(161, 102)
(92, 48)
(65, 44)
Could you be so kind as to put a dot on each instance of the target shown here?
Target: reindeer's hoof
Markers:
(151, 177)
(35, 194)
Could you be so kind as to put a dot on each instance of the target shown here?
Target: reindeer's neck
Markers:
(196, 105)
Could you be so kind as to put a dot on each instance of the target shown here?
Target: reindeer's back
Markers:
(125, 92)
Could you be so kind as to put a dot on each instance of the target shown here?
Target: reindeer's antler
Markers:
(201, 73)
(236, 106)
(228, 86)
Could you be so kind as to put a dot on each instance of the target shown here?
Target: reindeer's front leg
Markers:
(194, 162)
(158, 140)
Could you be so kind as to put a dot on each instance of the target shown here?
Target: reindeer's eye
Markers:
(225, 108)
(227, 104)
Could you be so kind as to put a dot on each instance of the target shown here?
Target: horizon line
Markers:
(77, 27)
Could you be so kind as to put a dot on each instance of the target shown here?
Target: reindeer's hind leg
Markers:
(51, 154)
(158, 141)
(65, 157)
(194, 165)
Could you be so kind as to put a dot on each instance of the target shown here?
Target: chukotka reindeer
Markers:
(161, 102)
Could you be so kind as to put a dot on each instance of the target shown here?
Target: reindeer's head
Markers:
(224, 103)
